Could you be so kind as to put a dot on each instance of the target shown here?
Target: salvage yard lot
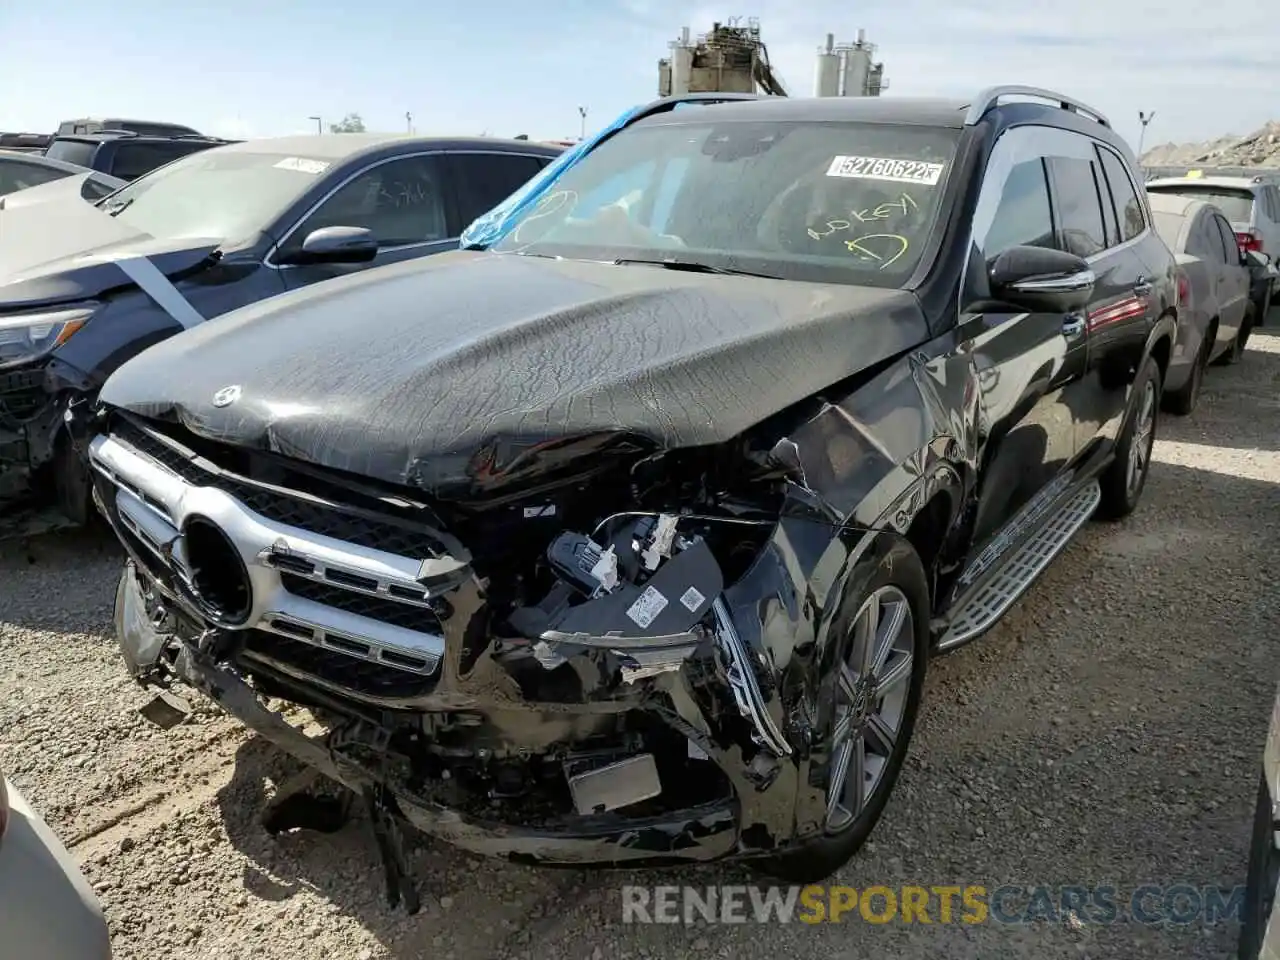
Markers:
(1108, 731)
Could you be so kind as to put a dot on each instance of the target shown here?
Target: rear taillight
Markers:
(1184, 289)
(1250, 240)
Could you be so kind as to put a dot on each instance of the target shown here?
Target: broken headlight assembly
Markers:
(29, 336)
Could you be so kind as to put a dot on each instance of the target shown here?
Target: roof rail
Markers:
(991, 96)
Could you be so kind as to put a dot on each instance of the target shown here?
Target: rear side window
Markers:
(1236, 203)
(486, 179)
(1229, 239)
(132, 160)
(1205, 242)
(1075, 186)
(1272, 200)
(1127, 205)
(16, 175)
(72, 151)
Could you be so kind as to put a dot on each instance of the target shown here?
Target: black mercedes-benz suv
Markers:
(628, 538)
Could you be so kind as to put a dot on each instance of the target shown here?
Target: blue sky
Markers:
(261, 69)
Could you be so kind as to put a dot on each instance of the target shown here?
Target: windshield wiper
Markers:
(691, 266)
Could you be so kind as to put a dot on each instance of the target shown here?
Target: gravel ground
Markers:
(1108, 731)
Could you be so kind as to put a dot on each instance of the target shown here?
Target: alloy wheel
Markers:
(1143, 437)
(871, 691)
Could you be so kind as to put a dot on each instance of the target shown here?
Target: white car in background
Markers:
(1252, 204)
(47, 909)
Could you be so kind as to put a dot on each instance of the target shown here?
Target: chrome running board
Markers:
(1027, 561)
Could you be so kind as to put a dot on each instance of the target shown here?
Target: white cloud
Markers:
(1204, 74)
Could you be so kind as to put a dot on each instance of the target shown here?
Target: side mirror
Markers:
(1038, 278)
(335, 245)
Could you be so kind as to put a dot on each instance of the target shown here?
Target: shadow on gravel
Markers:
(1239, 404)
(61, 581)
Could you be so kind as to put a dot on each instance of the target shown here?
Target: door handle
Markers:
(1072, 325)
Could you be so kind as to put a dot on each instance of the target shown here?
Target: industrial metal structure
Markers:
(730, 59)
(846, 69)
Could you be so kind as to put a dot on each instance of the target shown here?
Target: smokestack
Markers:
(862, 37)
(831, 42)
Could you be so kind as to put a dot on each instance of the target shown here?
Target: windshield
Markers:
(1236, 204)
(215, 193)
(802, 200)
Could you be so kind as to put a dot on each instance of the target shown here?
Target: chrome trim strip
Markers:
(742, 680)
(260, 542)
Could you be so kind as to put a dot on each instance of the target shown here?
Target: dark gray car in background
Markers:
(87, 286)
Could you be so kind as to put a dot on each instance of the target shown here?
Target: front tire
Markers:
(872, 697)
(1124, 480)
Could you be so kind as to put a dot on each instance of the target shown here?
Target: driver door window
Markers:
(401, 202)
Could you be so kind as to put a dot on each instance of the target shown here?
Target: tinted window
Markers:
(1204, 242)
(1273, 202)
(401, 201)
(1128, 207)
(72, 151)
(1236, 203)
(1228, 239)
(804, 200)
(1022, 216)
(486, 179)
(1075, 188)
(16, 175)
(132, 160)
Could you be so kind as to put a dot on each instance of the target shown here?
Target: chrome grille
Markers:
(322, 605)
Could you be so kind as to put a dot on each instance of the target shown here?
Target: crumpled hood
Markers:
(431, 372)
(62, 251)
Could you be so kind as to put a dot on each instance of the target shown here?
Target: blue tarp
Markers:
(493, 226)
(488, 229)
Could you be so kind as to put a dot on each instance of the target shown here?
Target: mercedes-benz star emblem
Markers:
(227, 396)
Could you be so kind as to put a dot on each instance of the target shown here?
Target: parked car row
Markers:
(623, 527)
(1224, 233)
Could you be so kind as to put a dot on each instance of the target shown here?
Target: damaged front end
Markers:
(615, 665)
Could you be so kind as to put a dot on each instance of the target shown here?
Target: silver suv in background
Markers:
(1252, 204)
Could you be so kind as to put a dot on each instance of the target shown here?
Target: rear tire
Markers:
(1183, 401)
(1124, 480)
(1236, 353)
(895, 584)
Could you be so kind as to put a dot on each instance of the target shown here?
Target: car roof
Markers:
(337, 146)
(1240, 183)
(926, 111)
(104, 135)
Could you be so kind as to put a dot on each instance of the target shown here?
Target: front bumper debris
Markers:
(697, 834)
(616, 729)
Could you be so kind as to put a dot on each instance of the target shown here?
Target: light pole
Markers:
(319, 128)
(582, 114)
(1144, 119)
(408, 122)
